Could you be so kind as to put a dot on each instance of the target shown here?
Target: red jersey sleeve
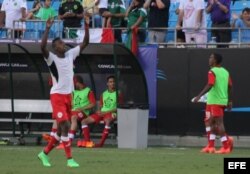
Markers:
(101, 102)
(211, 78)
(230, 82)
(91, 97)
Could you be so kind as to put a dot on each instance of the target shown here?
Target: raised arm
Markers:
(85, 41)
(44, 49)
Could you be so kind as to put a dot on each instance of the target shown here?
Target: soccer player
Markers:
(60, 65)
(83, 102)
(219, 88)
(106, 111)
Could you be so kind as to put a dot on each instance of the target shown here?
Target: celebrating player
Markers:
(61, 69)
(83, 102)
(219, 90)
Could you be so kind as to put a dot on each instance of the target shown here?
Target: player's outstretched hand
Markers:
(49, 22)
(195, 99)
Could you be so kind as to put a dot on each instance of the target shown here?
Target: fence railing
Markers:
(32, 31)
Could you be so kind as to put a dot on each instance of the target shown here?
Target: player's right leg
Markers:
(43, 156)
(209, 123)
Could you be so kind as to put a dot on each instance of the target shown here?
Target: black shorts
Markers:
(102, 10)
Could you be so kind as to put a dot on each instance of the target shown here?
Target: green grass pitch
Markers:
(154, 160)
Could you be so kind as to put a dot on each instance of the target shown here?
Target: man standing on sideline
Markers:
(219, 89)
(61, 69)
(157, 18)
(220, 17)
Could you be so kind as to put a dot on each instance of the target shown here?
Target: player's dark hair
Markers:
(78, 79)
(218, 58)
(110, 77)
(54, 41)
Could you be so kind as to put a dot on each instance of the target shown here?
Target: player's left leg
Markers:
(227, 142)
(108, 119)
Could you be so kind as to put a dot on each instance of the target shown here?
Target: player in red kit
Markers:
(219, 97)
(60, 66)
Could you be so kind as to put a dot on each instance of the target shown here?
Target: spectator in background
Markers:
(242, 23)
(92, 9)
(137, 18)
(14, 10)
(103, 11)
(46, 12)
(118, 11)
(157, 18)
(193, 17)
(71, 12)
(35, 8)
(220, 17)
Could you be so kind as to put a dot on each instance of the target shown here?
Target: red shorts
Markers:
(80, 115)
(61, 106)
(214, 111)
(97, 118)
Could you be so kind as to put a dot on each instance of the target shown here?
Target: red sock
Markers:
(67, 146)
(52, 143)
(211, 140)
(85, 132)
(72, 134)
(105, 134)
(208, 131)
(53, 132)
(224, 141)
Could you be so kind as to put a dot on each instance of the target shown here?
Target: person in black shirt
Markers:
(158, 18)
(71, 12)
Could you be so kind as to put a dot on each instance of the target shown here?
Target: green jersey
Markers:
(46, 13)
(116, 7)
(218, 94)
(134, 15)
(109, 101)
(80, 99)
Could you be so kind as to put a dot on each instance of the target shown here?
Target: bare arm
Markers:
(230, 97)
(44, 49)
(138, 22)
(209, 8)
(147, 4)
(199, 18)
(129, 8)
(160, 4)
(180, 18)
(23, 11)
(119, 15)
(85, 41)
(221, 6)
(204, 91)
